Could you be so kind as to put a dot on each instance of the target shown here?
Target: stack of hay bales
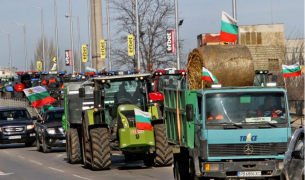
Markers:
(232, 65)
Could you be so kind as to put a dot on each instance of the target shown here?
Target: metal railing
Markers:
(4, 102)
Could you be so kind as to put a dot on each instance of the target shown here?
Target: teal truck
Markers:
(228, 132)
(96, 132)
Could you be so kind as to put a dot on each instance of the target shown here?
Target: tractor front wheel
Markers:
(164, 152)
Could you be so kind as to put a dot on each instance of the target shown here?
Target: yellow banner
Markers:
(103, 48)
(54, 59)
(84, 53)
(39, 66)
(130, 45)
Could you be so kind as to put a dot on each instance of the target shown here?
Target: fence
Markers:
(17, 103)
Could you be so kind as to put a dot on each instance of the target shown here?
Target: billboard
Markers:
(103, 48)
(130, 45)
(39, 66)
(68, 58)
(84, 53)
(170, 41)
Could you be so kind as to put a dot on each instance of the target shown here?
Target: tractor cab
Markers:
(6, 86)
(52, 79)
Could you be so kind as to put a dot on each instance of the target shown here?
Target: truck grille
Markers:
(257, 149)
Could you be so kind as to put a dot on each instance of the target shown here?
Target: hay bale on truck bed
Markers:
(232, 65)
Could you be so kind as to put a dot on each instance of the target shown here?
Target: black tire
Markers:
(181, 165)
(101, 157)
(86, 147)
(8, 95)
(149, 159)
(38, 146)
(164, 152)
(68, 146)
(18, 95)
(76, 156)
(45, 147)
(129, 157)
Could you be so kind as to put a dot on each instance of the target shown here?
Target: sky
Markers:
(200, 16)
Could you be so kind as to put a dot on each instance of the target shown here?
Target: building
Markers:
(209, 39)
(6, 72)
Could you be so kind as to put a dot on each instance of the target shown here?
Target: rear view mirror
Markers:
(81, 92)
(297, 154)
(189, 112)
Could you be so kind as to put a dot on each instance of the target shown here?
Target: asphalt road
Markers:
(21, 163)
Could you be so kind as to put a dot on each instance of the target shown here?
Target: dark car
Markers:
(49, 130)
(293, 168)
(16, 126)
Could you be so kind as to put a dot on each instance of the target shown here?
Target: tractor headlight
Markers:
(51, 130)
(28, 127)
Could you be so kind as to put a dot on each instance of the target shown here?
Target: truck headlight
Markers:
(51, 130)
(28, 127)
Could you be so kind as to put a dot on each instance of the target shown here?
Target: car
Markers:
(293, 168)
(49, 130)
(16, 126)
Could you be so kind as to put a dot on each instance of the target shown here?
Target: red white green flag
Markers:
(38, 96)
(229, 29)
(143, 120)
(208, 76)
(291, 70)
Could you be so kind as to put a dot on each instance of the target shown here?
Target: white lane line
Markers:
(5, 174)
(60, 155)
(21, 157)
(80, 177)
(36, 162)
(56, 169)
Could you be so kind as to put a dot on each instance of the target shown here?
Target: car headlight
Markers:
(51, 130)
(28, 127)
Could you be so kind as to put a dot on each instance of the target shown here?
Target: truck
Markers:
(110, 125)
(227, 132)
(26, 79)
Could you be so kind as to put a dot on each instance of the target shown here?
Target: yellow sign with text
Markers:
(84, 53)
(103, 48)
(54, 59)
(130, 45)
(39, 66)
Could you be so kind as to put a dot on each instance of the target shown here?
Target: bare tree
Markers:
(155, 17)
(33, 66)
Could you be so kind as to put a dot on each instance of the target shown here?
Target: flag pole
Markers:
(285, 83)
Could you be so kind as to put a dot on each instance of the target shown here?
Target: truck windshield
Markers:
(170, 81)
(14, 115)
(245, 108)
(54, 116)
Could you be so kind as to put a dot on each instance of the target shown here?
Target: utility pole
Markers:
(138, 36)
(56, 30)
(89, 32)
(25, 46)
(234, 9)
(71, 29)
(177, 35)
(108, 32)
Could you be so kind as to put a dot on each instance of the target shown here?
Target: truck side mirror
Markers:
(189, 112)
(298, 107)
(274, 78)
(81, 92)
(297, 154)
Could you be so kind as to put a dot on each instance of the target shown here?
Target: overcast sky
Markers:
(200, 16)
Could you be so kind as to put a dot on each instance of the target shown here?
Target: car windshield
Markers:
(123, 92)
(245, 108)
(54, 116)
(14, 115)
(170, 81)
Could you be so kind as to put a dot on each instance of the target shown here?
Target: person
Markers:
(171, 85)
(52, 80)
(268, 107)
(122, 93)
(44, 82)
(214, 114)
(137, 94)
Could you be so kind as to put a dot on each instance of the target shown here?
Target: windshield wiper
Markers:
(232, 123)
(271, 124)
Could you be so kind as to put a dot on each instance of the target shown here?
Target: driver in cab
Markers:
(122, 94)
(267, 109)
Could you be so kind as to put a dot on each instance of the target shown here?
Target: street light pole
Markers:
(89, 32)
(25, 46)
(177, 35)
(108, 32)
(71, 29)
(138, 36)
(56, 29)
(42, 29)
(9, 46)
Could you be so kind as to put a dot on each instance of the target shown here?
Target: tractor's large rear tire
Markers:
(87, 159)
(76, 156)
(101, 157)
(18, 95)
(164, 152)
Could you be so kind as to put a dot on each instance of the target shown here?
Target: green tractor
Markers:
(110, 126)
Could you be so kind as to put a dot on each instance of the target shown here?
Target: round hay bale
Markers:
(232, 65)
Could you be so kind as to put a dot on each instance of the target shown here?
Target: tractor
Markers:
(26, 79)
(6, 87)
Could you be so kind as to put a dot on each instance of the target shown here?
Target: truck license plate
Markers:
(14, 137)
(249, 174)
(63, 141)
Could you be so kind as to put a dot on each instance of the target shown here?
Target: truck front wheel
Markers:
(100, 149)
(164, 152)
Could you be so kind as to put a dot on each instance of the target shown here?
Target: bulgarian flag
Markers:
(208, 76)
(38, 96)
(143, 120)
(229, 29)
(89, 69)
(291, 70)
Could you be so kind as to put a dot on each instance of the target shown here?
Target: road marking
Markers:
(21, 157)
(4, 174)
(60, 155)
(80, 177)
(56, 169)
(36, 162)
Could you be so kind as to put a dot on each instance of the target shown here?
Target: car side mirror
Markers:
(81, 92)
(189, 112)
(297, 154)
(34, 118)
